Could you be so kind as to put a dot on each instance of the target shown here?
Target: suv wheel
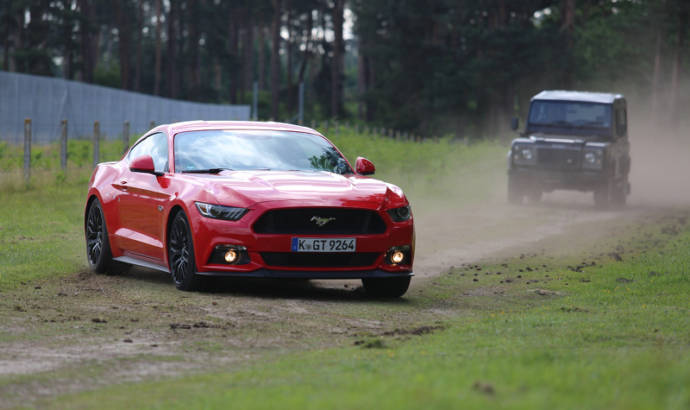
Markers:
(618, 194)
(515, 193)
(534, 195)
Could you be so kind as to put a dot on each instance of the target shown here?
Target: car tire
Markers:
(98, 252)
(386, 287)
(515, 193)
(181, 254)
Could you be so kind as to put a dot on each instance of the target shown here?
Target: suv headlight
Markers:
(401, 214)
(593, 159)
(228, 213)
(524, 155)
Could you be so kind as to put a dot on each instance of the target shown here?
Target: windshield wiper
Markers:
(207, 170)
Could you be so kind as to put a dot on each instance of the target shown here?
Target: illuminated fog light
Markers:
(231, 256)
(397, 257)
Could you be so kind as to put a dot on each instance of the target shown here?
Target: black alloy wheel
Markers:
(386, 287)
(181, 254)
(97, 245)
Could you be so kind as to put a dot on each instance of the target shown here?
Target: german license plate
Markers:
(324, 244)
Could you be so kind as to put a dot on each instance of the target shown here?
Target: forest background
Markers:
(461, 67)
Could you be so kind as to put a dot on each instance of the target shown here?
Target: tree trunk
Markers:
(140, 41)
(233, 34)
(261, 48)
(656, 76)
(361, 80)
(6, 54)
(173, 38)
(568, 27)
(217, 78)
(123, 33)
(87, 41)
(289, 51)
(68, 57)
(307, 47)
(371, 84)
(337, 64)
(157, 68)
(677, 60)
(248, 50)
(275, 58)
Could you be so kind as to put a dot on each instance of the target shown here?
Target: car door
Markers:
(143, 202)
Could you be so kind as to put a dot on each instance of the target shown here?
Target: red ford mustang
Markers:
(248, 199)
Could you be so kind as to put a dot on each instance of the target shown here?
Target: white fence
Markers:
(48, 101)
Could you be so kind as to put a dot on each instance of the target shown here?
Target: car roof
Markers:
(178, 127)
(585, 96)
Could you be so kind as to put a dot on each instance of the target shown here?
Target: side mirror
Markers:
(515, 123)
(364, 167)
(144, 164)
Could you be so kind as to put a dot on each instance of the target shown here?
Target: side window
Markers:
(155, 145)
(621, 122)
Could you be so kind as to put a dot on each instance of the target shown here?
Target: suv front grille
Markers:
(566, 159)
(316, 260)
(305, 221)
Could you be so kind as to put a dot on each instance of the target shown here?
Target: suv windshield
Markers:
(570, 114)
(216, 150)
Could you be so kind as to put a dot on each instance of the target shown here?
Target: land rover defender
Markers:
(575, 141)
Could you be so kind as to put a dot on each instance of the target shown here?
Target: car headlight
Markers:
(593, 159)
(524, 155)
(400, 214)
(228, 213)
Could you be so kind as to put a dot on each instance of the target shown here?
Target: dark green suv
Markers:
(573, 140)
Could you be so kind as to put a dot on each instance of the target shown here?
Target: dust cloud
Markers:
(660, 169)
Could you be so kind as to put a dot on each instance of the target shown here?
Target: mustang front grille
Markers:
(316, 260)
(318, 221)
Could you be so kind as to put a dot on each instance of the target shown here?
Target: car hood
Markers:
(562, 141)
(298, 188)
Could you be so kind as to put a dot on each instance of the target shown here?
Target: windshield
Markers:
(570, 114)
(215, 150)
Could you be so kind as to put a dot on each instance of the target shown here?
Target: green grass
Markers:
(41, 223)
(609, 336)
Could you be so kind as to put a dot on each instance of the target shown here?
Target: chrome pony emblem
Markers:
(321, 221)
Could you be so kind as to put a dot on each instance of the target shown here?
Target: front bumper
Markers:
(551, 179)
(297, 274)
(211, 233)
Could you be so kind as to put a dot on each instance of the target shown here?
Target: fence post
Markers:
(125, 137)
(63, 145)
(152, 124)
(27, 150)
(96, 142)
